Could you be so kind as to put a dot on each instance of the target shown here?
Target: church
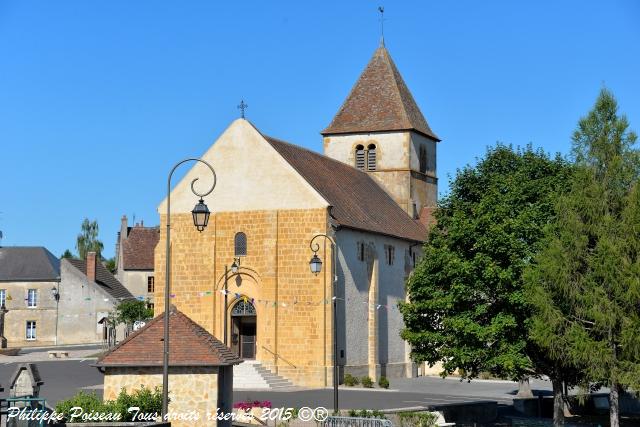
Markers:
(246, 277)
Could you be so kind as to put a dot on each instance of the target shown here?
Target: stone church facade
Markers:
(372, 191)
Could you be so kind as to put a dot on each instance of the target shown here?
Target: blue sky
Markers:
(99, 99)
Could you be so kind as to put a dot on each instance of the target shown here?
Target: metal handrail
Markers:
(334, 421)
(280, 357)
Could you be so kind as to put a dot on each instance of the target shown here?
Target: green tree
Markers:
(585, 283)
(87, 240)
(67, 254)
(466, 304)
(110, 264)
(129, 311)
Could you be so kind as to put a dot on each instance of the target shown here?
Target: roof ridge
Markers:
(395, 73)
(315, 153)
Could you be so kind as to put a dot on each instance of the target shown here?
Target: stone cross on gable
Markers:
(242, 106)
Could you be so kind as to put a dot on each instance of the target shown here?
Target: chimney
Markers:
(91, 266)
(123, 227)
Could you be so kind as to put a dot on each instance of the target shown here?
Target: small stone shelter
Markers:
(200, 367)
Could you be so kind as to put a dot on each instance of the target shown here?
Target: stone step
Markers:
(252, 375)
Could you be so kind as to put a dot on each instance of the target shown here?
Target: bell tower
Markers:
(380, 130)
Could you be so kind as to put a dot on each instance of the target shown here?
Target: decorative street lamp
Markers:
(200, 215)
(315, 264)
(235, 266)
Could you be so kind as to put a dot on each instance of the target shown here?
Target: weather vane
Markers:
(381, 10)
(242, 107)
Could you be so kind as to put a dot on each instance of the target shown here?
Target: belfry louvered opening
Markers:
(360, 157)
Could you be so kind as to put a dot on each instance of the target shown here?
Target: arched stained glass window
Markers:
(371, 157)
(243, 308)
(360, 162)
(240, 244)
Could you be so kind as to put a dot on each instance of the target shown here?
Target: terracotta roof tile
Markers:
(379, 101)
(189, 345)
(138, 248)
(104, 279)
(357, 200)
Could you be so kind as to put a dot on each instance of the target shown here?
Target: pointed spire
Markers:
(379, 101)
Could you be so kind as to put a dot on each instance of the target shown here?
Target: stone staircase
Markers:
(250, 374)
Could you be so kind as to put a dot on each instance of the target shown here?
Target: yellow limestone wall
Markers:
(298, 328)
(191, 389)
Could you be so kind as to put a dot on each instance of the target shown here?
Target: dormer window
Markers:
(360, 157)
(371, 157)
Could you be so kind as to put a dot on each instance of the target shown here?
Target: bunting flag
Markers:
(280, 303)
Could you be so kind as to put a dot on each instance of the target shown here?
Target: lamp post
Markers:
(235, 266)
(200, 215)
(56, 296)
(315, 264)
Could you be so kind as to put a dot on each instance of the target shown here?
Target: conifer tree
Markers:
(585, 283)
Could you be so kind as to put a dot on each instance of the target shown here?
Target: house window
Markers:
(151, 284)
(31, 330)
(360, 163)
(390, 254)
(360, 250)
(32, 298)
(371, 157)
(3, 297)
(422, 157)
(240, 244)
(150, 306)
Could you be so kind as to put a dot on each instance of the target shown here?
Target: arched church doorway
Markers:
(243, 329)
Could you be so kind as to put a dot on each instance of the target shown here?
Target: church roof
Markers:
(189, 345)
(379, 101)
(357, 201)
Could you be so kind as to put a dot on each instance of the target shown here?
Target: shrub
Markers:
(363, 413)
(350, 380)
(149, 401)
(89, 402)
(383, 382)
(417, 419)
(366, 382)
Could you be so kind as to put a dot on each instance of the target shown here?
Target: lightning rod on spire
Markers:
(381, 10)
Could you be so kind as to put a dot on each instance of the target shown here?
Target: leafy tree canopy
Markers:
(467, 307)
(129, 311)
(87, 240)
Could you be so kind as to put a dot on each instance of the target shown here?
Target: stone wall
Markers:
(293, 306)
(44, 314)
(365, 285)
(81, 306)
(136, 282)
(190, 388)
(397, 164)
